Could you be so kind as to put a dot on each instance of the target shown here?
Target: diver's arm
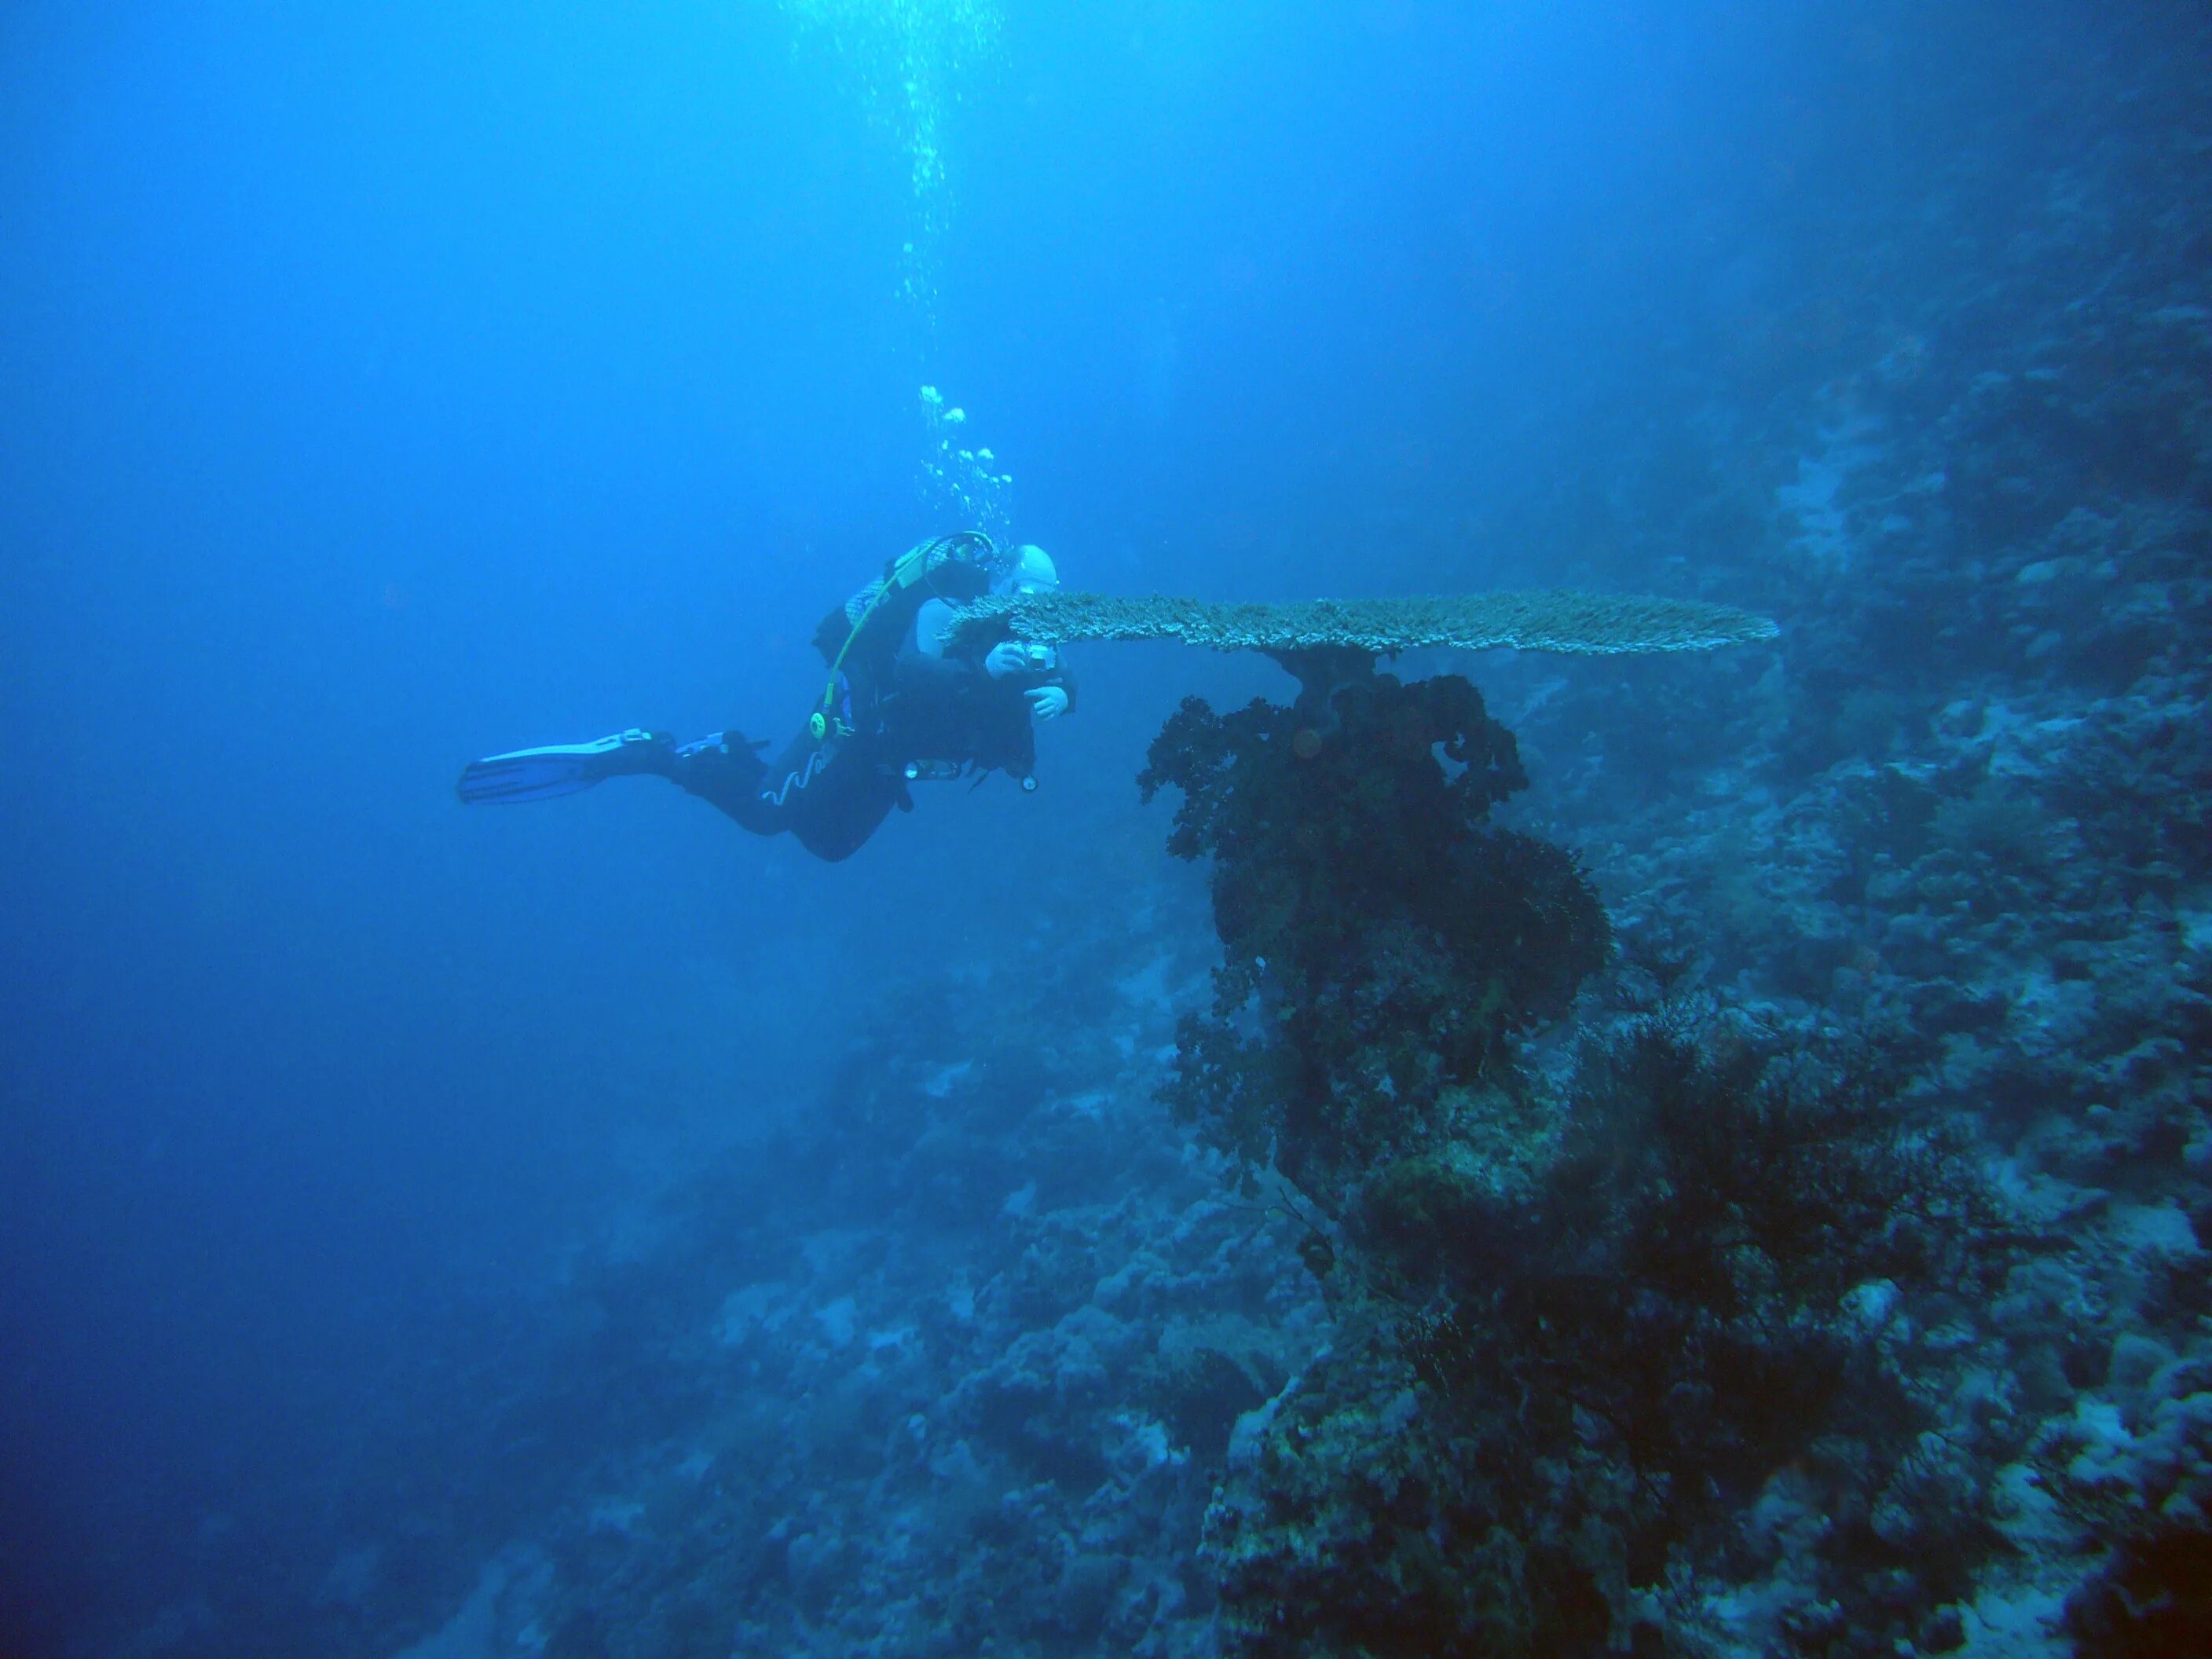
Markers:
(931, 625)
(911, 671)
(918, 670)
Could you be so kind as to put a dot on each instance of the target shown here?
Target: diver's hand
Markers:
(1047, 703)
(1009, 657)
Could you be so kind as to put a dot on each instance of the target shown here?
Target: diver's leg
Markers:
(564, 769)
(837, 813)
(829, 796)
(725, 770)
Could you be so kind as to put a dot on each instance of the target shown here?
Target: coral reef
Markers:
(1580, 1332)
(1590, 624)
(1638, 1342)
(1385, 938)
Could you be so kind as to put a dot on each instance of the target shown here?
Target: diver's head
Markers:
(1033, 572)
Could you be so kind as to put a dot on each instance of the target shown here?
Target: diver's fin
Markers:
(561, 769)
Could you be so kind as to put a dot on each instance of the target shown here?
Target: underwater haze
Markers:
(1530, 1151)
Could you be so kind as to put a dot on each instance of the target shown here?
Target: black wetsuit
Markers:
(946, 715)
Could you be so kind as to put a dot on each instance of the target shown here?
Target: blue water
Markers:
(385, 386)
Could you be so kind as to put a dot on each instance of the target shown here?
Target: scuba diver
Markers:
(901, 704)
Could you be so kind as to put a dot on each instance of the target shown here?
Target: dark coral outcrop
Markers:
(1584, 1324)
(1382, 941)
